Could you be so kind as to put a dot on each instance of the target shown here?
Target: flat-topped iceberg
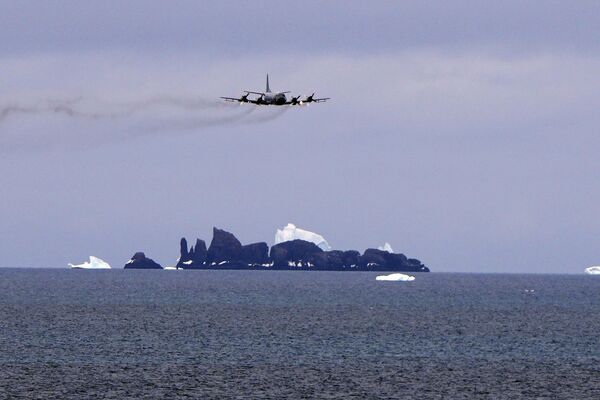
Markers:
(290, 232)
(94, 263)
(395, 277)
(593, 270)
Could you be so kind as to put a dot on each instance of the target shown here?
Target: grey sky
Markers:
(463, 133)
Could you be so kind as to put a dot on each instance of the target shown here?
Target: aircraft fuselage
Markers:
(277, 99)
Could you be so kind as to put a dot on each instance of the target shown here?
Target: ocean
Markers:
(80, 334)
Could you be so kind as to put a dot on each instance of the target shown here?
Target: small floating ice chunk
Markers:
(94, 263)
(171, 268)
(386, 247)
(395, 277)
(593, 270)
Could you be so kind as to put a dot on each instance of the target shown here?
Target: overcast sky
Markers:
(464, 133)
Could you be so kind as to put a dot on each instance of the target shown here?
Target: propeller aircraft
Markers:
(268, 98)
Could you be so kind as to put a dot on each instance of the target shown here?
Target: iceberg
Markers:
(290, 232)
(94, 263)
(395, 277)
(593, 270)
(386, 247)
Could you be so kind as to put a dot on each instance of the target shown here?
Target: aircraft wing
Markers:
(259, 93)
(232, 99)
(324, 99)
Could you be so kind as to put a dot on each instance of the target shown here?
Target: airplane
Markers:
(268, 98)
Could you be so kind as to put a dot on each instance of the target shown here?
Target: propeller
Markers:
(244, 98)
(308, 99)
(295, 100)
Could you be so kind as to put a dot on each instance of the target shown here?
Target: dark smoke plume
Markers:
(76, 108)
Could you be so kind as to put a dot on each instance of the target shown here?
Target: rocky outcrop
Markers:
(199, 253)
(184, 254)
(351, 258)
(224, 247)
(295, 253)
(140, 261)
(373, 257)
(255, 254)
(196, 255)
(226, 252)
(381, 260)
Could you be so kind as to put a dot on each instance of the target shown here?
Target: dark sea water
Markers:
(68, 334)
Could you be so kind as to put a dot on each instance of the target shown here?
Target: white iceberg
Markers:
(593, 270)
(94, 263)
(290, 232)
(386, 247)
(395, 277)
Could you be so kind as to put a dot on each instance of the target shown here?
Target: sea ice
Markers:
(94, 263)
(395, 277)
(386, 247)
(593, 270)
(290, 232)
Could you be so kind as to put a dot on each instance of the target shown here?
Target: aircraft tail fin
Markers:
(268, 89)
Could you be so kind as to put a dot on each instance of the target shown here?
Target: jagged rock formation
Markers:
(224, 248)
(140, 261)
(196, 255)
(226, 252)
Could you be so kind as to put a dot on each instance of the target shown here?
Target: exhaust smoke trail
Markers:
(257, 119)
(77, 108)
(244, 117)
(151, 116)
(197, 123)
(99, 111)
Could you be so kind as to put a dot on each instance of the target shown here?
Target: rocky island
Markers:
(140, 261)
(289, 253)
